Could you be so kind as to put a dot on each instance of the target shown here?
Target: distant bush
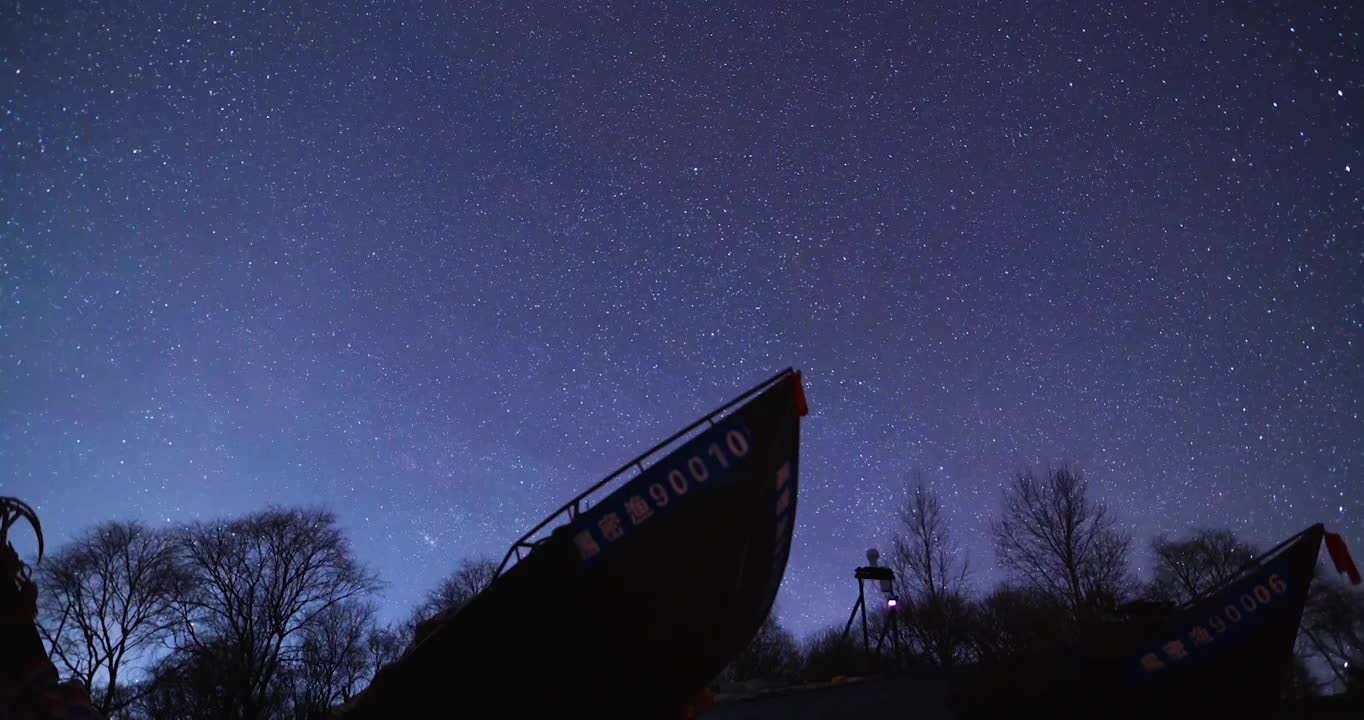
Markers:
(829, 654)
(772, 655)
(1012, 622)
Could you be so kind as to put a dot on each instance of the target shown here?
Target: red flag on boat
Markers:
(1340, 555)
(802, 407)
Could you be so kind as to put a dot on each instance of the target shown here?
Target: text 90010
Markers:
(712, 460)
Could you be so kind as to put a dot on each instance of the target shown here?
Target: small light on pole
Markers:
(891, 602)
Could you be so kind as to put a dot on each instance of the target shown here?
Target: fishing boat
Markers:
(1231, 648)
(1227, 653)
(627, 605)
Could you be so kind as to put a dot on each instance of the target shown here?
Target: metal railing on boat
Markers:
(573, 507)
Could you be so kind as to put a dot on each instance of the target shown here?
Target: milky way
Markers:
(439, 267)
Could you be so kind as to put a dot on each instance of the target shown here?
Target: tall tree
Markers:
(1054, 537)
(383, 645)
(1333, 629)
(454, 592)
(260, 583)
(106, 601)
(187, 683)
(1187, 568)
(931, 575)
(333, 662)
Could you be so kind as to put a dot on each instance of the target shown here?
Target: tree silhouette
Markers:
(105, 602)
(931, 577)
(258, 584)
(383, 645)
(829, 654)
(333, 661)
(453, 593)
(188, 683)
(772, 654)
(1185, 569)
(1011, 622)
(1052, 536)
(1333, 629)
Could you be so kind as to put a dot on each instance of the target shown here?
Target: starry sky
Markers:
(438, 266)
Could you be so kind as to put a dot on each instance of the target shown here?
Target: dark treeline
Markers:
(1068, 566)
(271, 616)
(264, 616)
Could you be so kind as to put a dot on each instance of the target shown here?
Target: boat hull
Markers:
(634, 605)
(1232, 648)
(1228, 654)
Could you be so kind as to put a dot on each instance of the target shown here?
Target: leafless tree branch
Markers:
(1053, 537)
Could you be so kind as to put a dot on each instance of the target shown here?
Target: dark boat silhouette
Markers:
(1230, 648)
(1227, 653)
(629, 607)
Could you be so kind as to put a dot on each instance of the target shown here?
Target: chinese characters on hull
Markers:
(1237, 608)
(710, 458)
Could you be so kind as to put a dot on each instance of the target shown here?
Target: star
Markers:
(440, 270)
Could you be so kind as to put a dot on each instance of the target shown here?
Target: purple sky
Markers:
(440, 268)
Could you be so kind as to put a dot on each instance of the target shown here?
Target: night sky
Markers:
(439, 266)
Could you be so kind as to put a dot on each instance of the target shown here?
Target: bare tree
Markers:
(1020, 636)
(187, 683)
(383, 645)
(333, 659)
(1012, 621)
(1332, 630)
(1185, 569)
(106, 601)
(259, 584)
(772, 654)
(931, 576)
(1052, 536)
(452, 594)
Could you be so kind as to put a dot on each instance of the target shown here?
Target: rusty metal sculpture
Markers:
(29, 687)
